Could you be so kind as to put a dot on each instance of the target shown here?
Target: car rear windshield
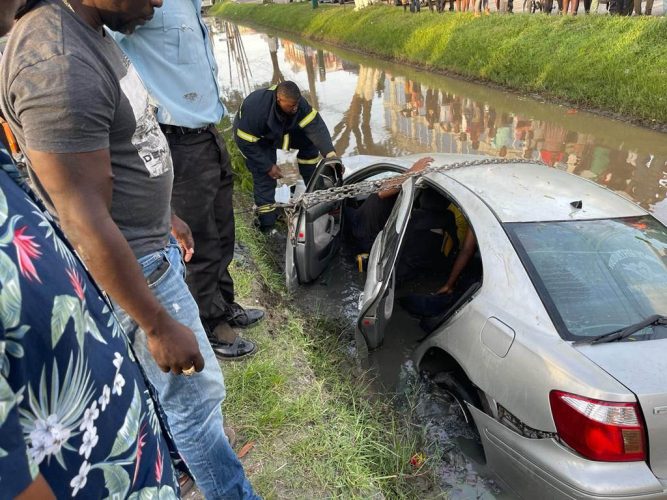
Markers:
(597, 276)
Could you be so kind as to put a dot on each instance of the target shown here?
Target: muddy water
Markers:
(377, 108)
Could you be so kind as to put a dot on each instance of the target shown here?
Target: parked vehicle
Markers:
(556, 349)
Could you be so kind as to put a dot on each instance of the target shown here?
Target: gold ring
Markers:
(189, 371)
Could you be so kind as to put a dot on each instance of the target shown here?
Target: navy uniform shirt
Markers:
(260, 128)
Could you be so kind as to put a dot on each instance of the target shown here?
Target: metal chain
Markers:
(307, 200)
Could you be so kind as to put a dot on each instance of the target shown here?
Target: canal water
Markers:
(377, 108)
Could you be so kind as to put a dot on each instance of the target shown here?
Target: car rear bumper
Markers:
(543, 468)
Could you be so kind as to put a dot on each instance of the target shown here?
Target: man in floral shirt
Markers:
(76, 415)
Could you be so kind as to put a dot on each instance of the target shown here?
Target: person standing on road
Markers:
(101, 164)
(173, 55)
(278, 117)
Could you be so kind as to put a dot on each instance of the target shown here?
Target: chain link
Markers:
(307, 200)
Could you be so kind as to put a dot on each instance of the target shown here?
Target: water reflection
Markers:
(377, 108)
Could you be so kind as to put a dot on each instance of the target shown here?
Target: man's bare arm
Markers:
(393, 185)
(462, 259)
(80, 186)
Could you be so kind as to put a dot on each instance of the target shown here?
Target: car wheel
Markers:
(462, 391)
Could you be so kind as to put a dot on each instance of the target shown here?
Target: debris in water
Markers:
(417, 460)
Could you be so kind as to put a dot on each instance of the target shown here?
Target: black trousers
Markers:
(622, 7)
(202, 197)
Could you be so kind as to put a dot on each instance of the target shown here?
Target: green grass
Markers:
(612, 63)
(317, 432)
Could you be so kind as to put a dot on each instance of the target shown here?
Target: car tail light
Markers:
(599, 430)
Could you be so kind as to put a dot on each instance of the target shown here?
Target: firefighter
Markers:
(278, 117)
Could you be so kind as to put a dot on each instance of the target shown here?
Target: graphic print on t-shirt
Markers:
(148, 138)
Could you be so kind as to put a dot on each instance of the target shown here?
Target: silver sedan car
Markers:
(554, 341)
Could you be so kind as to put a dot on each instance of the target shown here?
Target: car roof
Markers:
(528, 192)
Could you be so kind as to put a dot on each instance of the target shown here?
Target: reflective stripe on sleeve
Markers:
(246, 136)
(308, 161)
(286, 142)
(309, 118)
(272, 87)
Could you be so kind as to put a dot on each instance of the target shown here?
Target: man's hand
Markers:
(421, 164)
(181, 231)
(445, 289)
(393, 185)
(173, 345)
(275, 172)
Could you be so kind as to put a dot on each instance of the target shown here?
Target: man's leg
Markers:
(192, 404)
(224, 219)
(223, 209)
(264, 191)
(197, 183)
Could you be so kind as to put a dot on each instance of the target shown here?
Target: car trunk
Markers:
(641, 366)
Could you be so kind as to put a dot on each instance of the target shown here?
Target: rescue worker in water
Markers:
(278, 117)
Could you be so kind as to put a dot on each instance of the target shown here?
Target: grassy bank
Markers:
(313, 430)
(617, 64)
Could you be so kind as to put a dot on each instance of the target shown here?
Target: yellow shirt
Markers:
(461, 230)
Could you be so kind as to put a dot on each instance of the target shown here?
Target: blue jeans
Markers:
(192, 404)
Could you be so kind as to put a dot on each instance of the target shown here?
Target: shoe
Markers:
(244, 318)
(239, 349)
(186, 483)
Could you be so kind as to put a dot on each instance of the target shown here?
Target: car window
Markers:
(597, 276)
(382, 175)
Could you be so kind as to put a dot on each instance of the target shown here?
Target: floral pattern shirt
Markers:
(74, 405)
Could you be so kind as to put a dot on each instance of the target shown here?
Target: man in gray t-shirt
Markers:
(102, 165)
(57, 106)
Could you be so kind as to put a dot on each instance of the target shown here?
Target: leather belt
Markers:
(176, 129)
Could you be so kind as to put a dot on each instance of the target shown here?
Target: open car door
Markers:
(377, 302)
(314, 233)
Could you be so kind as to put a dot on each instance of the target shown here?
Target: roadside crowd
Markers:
(563, 7)
(114, 181)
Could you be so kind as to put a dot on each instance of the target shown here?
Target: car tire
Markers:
(461, 392)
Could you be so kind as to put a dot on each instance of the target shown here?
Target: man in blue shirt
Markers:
(173, 54)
